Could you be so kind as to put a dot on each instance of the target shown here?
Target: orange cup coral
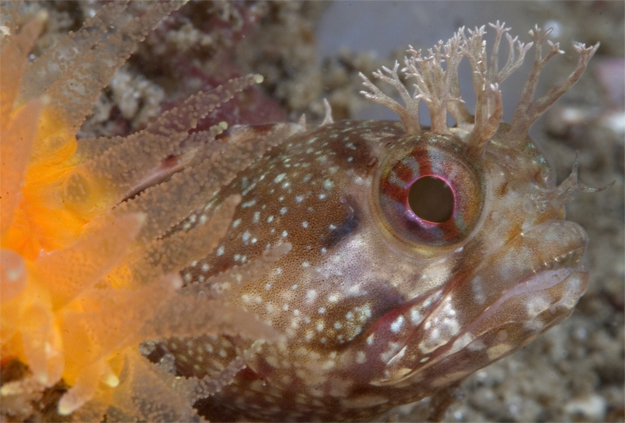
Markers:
(78, 289)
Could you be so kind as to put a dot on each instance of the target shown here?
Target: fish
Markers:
(416, 255)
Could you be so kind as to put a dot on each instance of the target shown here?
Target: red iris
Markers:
(429, 191)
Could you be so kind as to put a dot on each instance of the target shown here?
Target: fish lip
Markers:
(565, 257)
(570, 258)
(540, 281)
(550, 273)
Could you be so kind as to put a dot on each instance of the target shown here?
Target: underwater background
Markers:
(308, 51)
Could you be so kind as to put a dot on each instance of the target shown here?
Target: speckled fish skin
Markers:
(380, 307)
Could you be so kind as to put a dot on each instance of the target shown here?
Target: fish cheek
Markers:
(343, 324)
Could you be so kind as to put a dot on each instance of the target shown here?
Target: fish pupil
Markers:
(431, 199)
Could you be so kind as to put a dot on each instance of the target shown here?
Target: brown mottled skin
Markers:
(378, 306)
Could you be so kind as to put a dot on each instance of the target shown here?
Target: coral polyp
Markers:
(78, 291)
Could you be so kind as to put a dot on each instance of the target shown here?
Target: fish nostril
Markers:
(431, 199)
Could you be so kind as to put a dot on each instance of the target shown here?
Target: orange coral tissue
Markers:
(78, 293)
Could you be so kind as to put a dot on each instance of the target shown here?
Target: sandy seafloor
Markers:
(309, 51)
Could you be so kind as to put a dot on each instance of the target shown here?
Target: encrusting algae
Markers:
(273, 272)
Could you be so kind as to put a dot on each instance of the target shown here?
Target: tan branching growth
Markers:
(437, 83)
(528, 111)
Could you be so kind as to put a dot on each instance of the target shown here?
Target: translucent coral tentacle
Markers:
(17, 141)
(12, 276)
(227, 284)
(83, 389)
(70, 271)
(186, 116)
(41, 340)
(168, 203)
(98, 332)
(17, 129)
(13, 297)
(54, 63)
(198, 144)
(176, 121)
(194, 389)
(73, 306)
(163, 136)
(189, 316)
(14, 58)
(72, 96)
(93, 410)
(146, 394)
(173, 253)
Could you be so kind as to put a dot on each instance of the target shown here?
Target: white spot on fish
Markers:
(248, 204)
(397, 324)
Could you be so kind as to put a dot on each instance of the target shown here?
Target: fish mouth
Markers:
(538, 272)
(539, 302)
(545, 281)
(519, 292)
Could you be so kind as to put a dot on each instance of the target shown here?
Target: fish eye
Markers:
(428, 193)
(431, 199)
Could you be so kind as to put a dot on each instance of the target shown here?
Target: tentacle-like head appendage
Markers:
(437, 84)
